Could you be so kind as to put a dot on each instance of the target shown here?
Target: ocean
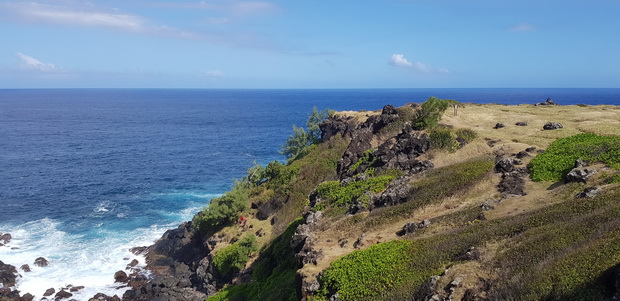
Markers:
(86, 174)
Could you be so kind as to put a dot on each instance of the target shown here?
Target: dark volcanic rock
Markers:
(521, 123)
(5, 238)
(506, 165)
(41, 262)
(499, 126)
(25, 268)
(412, 227)
(512, 183)
(49, 292)
(521, 155)
(589, 192)
(548, 102)
(120, 276)
(8, 274)
(396, 193)
(552, 126)
(377, 122)
(580, 175)
(138, 250)
(63, 295)
(332, 126)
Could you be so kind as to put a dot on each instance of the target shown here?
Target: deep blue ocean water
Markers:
(86, 174)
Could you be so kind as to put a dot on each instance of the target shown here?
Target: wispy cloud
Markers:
(73, 14)
(399, 60)
(85, 14)
(213, 74)
(29, 62)
(522, 27)
(233, 7)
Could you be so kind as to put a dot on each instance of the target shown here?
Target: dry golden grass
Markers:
(603, 119)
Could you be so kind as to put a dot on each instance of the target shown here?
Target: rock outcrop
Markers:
(552, 126)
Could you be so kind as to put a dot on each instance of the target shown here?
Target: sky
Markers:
(301, 44)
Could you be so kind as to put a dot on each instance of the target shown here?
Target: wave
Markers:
(88, 260)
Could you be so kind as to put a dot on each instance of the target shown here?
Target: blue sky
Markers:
(309, 44)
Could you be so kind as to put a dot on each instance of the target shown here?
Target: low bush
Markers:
(560, 156)
(340, 195)
(430, 112)
(443, 139)
(467, 134)
(233, 258)
(273, 276)
(223, 210)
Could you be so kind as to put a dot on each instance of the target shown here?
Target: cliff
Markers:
(491, 203)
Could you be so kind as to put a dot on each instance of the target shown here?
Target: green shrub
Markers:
(339, 195)
(443, 139)
(230, 260)
(467, 134)
(430, 113)
(223, 210)
(384, 271)
(560, 156)
(273, 273)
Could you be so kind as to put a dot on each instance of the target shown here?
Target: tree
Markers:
(430, 113)
(295, 146)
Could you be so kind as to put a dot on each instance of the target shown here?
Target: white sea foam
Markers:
(74, 259)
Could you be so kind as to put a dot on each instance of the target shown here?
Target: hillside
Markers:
(387, 207)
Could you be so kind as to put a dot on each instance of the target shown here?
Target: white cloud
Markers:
(522, 27)
(399, 60)
(34, 64)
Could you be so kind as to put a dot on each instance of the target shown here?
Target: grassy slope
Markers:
(547, 233)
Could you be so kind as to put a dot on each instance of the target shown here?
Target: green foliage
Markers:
(296, 145)
(339, 195)
(223, 210)
(559, 158)
(273, 273)
(383, 271)
(443, 139)
(233, 258)
(256, 174)
(430, 113)
(278, 175)
(432, 188)
(467, 134)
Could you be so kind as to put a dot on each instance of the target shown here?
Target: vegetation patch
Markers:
(233, 258)
(273, 276)
(382, 271)
(560, 156)
(430, 113)
(223, 210)
(341, 195)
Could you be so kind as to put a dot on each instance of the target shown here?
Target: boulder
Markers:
(589, 192)
(120, 276)
(548, 102)
(8, 274)
(522, 154)
(25, 268)
(138, 250)
(27, 297)
(499, 126)
(412, 227)
(512, 183)
(506, 165)
(579, 175)
(5, 238)
(76, 288)
(49, 292)
(41, 262)
(552, 126)
(521, 123)
(63, 295)
(332, 126)
(133, 263)
(530, 149)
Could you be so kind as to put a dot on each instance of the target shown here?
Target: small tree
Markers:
(430, 113)
(295, 146)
